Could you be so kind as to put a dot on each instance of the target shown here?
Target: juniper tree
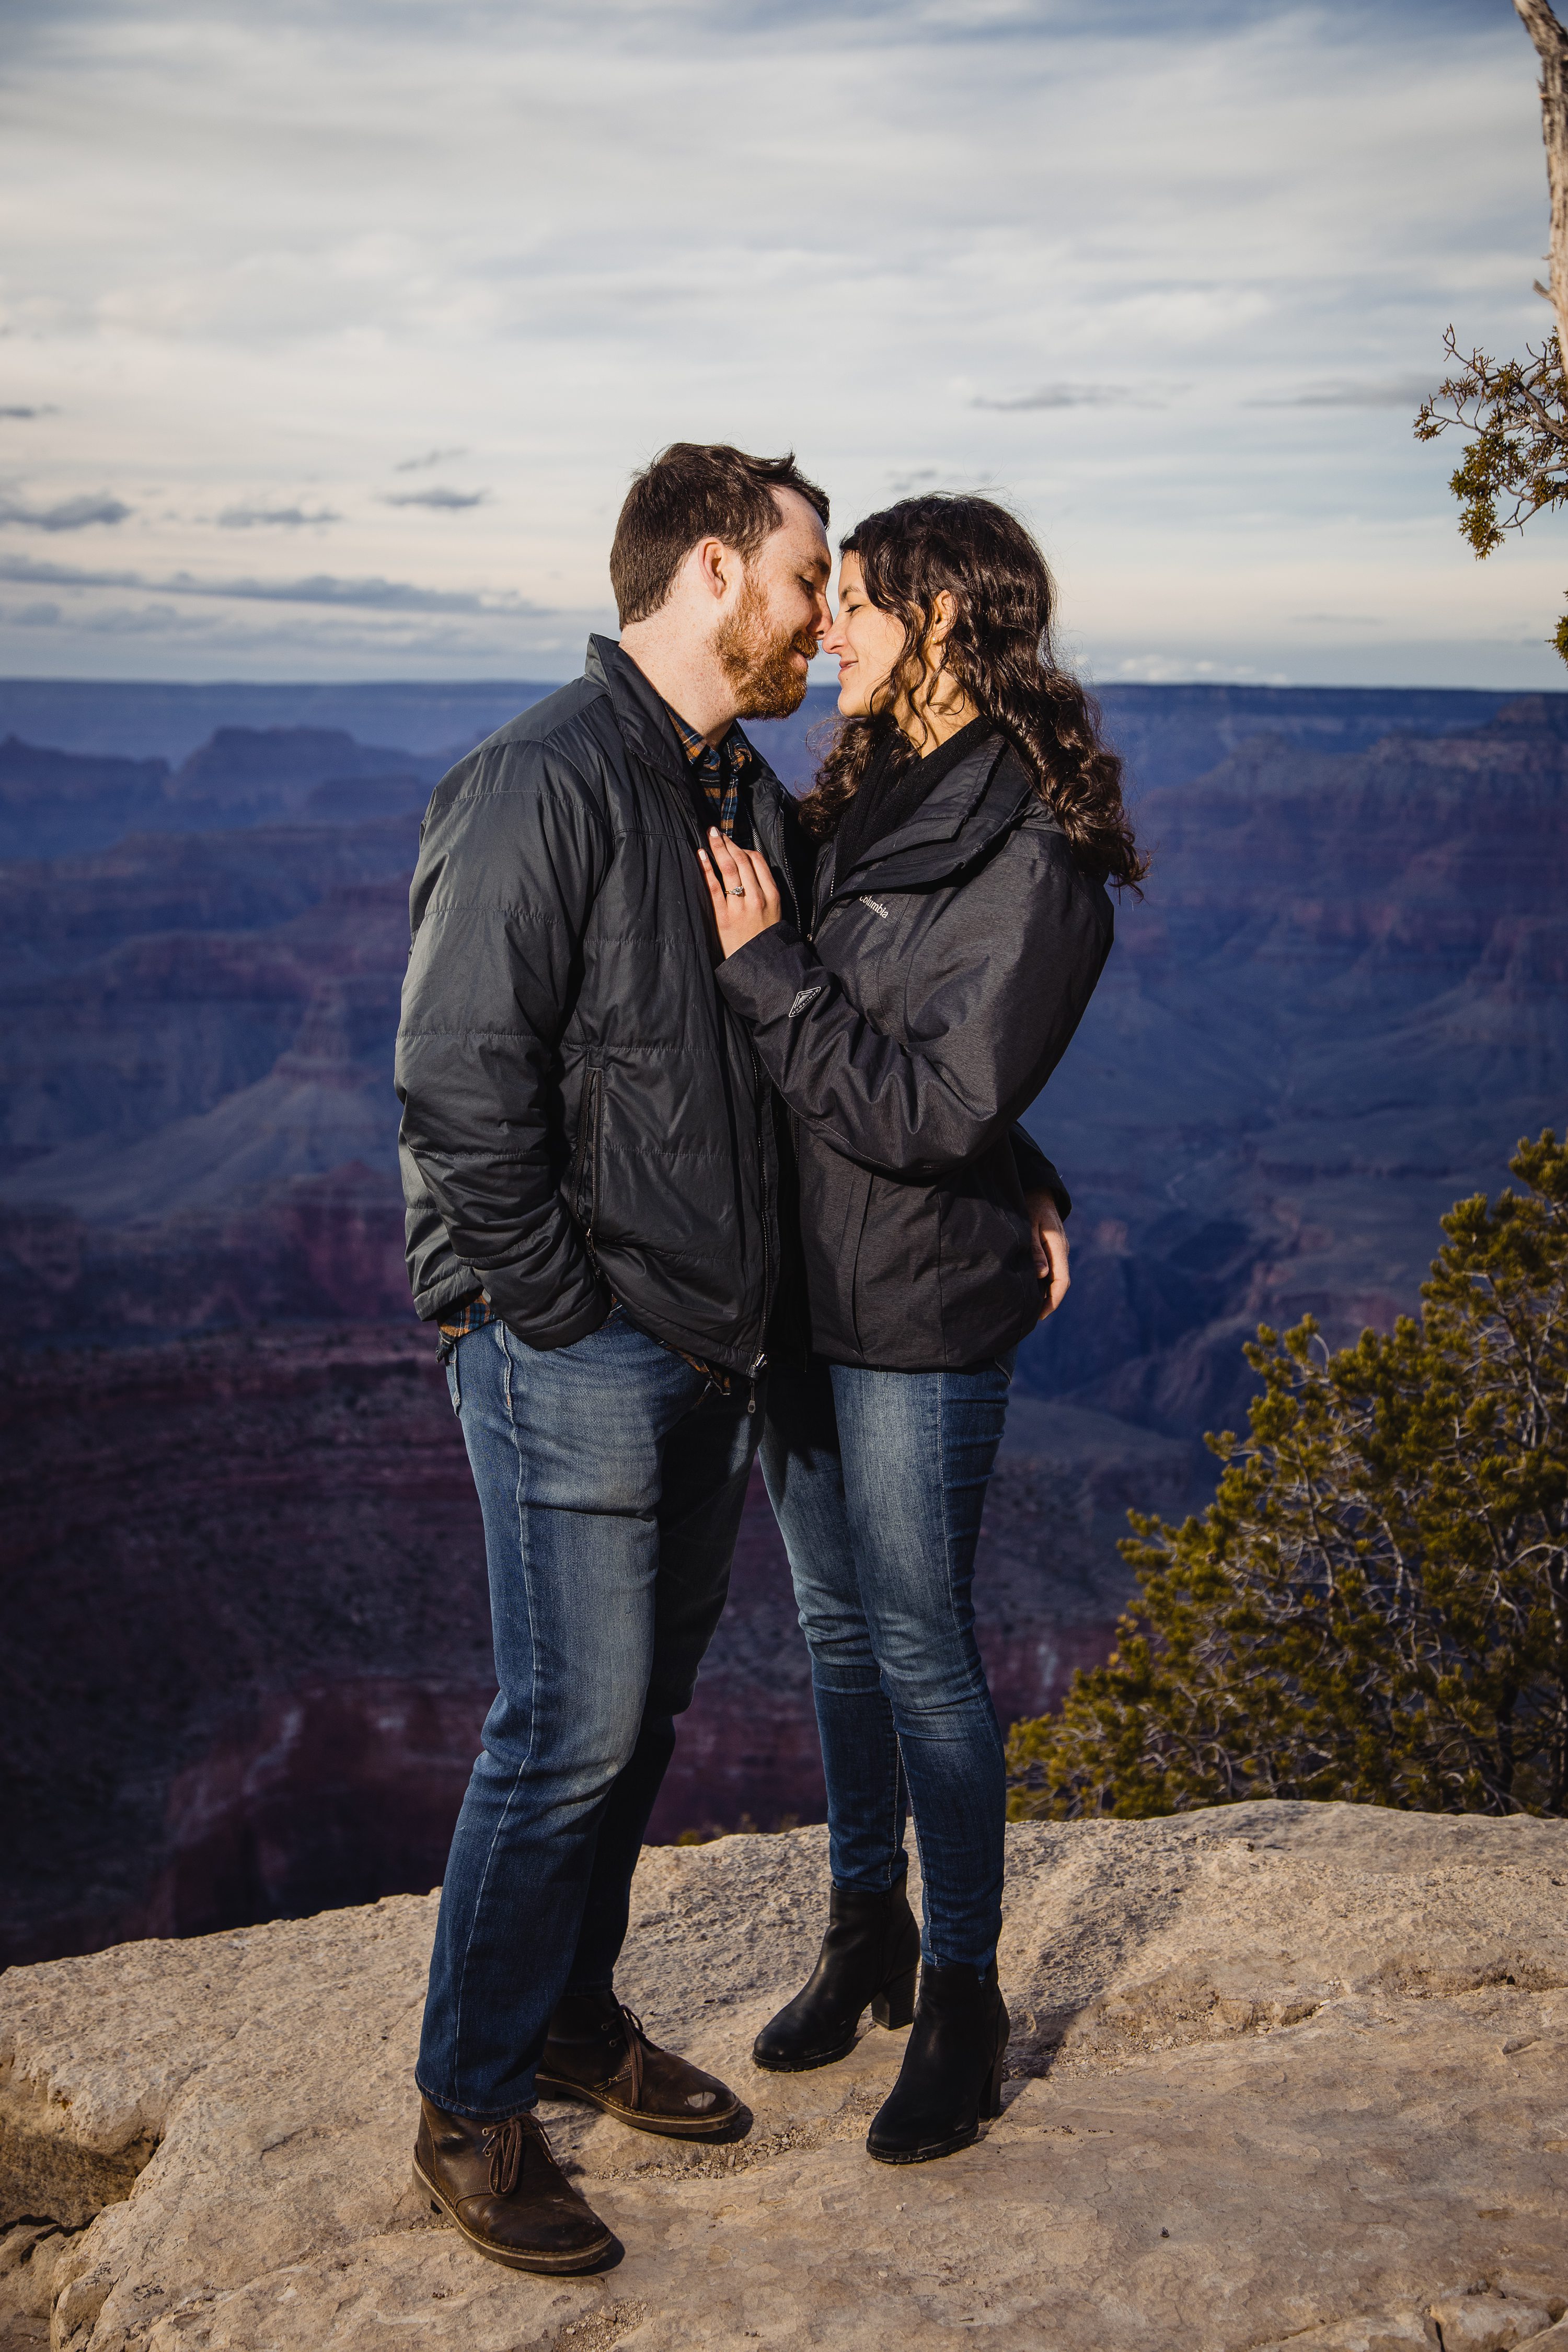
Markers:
(1515, 411)
(1374, 1607)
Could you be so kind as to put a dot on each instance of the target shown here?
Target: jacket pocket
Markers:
(896, 1275)
(832, 1211)
(852, 1251)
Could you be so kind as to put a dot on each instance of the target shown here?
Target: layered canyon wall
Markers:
(239, 1540)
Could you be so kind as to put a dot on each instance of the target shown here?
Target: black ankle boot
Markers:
(951, 2079)
(869, 1954)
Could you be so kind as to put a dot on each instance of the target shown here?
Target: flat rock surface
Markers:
(1279, 2073)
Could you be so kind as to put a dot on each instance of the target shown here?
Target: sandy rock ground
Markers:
(1280, 2073)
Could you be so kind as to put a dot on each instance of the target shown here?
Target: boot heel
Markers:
(991, 2097)
(895, 2004)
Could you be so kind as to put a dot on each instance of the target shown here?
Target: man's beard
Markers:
(757, 661)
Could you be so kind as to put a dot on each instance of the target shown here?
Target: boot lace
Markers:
(502, 2143)
(635, 2037)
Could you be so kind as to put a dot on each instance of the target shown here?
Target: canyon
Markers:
(239, 1547)
(249, 1634)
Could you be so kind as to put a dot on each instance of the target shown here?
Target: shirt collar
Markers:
(734, 749)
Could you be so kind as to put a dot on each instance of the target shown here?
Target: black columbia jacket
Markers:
(945, 973)
(582, 1113)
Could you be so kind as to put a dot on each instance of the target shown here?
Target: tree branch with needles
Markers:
(1514, 412)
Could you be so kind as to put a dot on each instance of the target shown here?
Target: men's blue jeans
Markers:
(877, 1480)
(611, 1477)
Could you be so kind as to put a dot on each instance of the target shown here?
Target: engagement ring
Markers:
(740, 893)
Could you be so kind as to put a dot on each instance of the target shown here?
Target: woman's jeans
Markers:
(877, 1480)
(611, 1477)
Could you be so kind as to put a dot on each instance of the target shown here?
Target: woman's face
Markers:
(867, 643)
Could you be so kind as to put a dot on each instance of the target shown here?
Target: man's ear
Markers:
(718, 567)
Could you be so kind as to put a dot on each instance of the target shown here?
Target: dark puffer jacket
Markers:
(945, 974)
(581, 1111)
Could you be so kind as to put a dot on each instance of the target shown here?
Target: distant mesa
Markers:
(57, 804)
(274, 768)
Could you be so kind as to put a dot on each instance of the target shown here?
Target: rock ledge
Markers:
(1280, 2073)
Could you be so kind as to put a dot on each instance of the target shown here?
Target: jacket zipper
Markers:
(763, 1101)
(588, 1163)
(766, 1146)
(762, 1095)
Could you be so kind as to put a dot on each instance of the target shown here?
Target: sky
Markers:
(330, 334)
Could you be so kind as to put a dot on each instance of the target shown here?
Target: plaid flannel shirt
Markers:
(720, 769)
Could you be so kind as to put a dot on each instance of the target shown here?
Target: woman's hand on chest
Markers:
(744, 895)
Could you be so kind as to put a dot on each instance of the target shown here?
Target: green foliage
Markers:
(1374, 1607)
(1515, 413)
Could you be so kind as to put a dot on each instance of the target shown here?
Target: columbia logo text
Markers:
(876, 906)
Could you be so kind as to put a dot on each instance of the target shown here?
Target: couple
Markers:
(708, 1148)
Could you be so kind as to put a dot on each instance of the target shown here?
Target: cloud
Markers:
(1075, 395)
(1184, 670)
(447, 501)
(1140, 204)
(1349, 391)
(287, 518)
(319, 588)
(29, 411)
(70, 514)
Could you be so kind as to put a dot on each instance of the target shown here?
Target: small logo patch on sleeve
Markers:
(802, 1000)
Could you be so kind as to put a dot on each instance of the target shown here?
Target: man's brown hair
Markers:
(696, 490)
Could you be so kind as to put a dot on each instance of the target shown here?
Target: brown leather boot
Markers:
(503, 2189)
(598, 2053)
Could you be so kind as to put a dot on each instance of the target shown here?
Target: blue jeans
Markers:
(611, 1477)
(877, 1480)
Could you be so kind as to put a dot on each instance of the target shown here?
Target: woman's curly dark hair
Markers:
(1000, 652)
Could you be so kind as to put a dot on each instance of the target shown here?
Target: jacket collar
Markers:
(645, 722)
(972, 806)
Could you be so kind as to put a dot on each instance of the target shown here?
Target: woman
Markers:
(972, 818)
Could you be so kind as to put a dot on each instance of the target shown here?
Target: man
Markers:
(592, 1173)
